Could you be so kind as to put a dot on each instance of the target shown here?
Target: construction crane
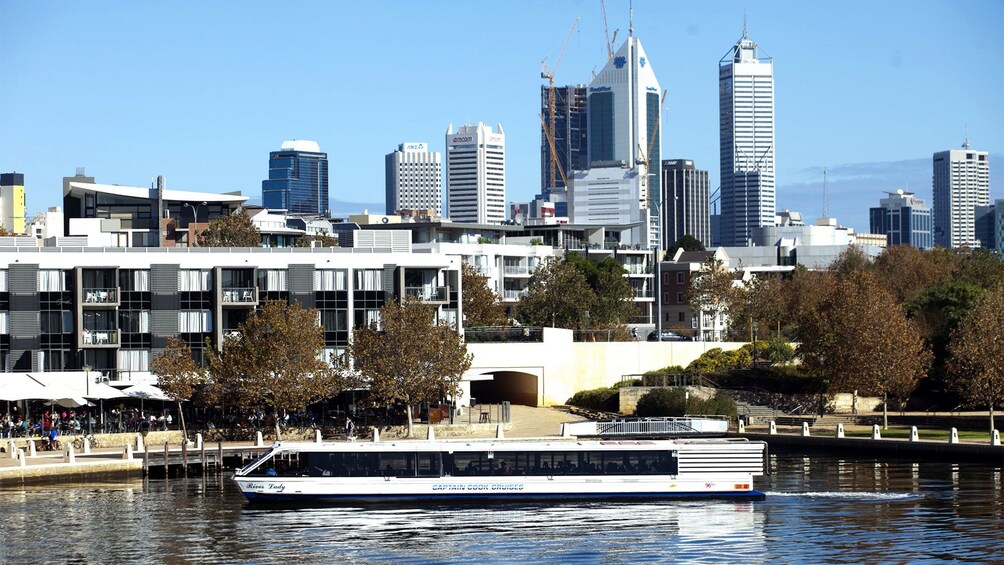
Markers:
(548, 73)
(554, 152)
(646, 157)
(606, 31)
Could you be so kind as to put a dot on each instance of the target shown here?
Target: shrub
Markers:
(605, 399)
(779, 351)
(662, 402)
(632, 382)
(720, 404)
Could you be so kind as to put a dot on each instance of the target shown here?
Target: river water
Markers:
(818, 509)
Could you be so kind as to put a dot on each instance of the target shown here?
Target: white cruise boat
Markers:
(452, 471)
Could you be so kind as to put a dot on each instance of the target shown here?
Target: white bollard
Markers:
(87, 446)
(139, 443)
(31, 448)
(954, 437)
(23, 460)
(914, 436)
(499, 434)
(259, 441)
(876, 434)
(317, 436)
(742, 426)
(69, 456)
(805, 429)
(431, 435)
(773, 428)
(840, 431)
(198, 441)
(995, 438)
(12, 449)
(127, 452)
(376, 435)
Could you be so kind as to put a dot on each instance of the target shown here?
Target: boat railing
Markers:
(663, 426)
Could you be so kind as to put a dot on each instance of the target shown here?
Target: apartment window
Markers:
(195, 321)
(56, 322)
(330, 279)
(679, 278)
(51, 280)
(681, 317)
(4, 329)
(134, 280)
(134, 360)
(369, 279)
(194, 279)
(273, 280)
(679, 298)
(134, 321)
(3, 280)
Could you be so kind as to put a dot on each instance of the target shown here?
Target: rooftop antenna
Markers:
(826, 196)
(631, 18)
(965, 144)
(745, 35)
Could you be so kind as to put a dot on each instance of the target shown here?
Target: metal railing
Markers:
(503, 334)
(428, 293)
(508, 294)
(100, 337)
(602, 335)
(233, 295)
(101, 296)
(516, 270)
(655, 426)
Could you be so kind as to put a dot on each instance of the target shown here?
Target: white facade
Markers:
(475, 174)
(414, 178)
(624, 107)
(609, 196)
(746, 128)
(961, 183)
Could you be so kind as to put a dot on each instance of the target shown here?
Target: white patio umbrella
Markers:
(143, 392)
(22, 386)
(102, 392)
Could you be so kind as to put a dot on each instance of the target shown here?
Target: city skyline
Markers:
(870, 98)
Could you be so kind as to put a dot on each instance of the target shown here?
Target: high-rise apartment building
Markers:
(961, 183)
(414, 178)
(989, 225)
(624, 107)
(746, 128)
(12, 202)
(570, 135)
(904, 219)
(475, 174)
(685, 195)
(297, 179)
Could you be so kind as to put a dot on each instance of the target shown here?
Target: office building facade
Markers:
(961, 182)
(746, 129)
(475, 174)
(624, 106)
(12, 202)
(414, 177)
(904, 219)
(989, 221)
(685, 197)
(297, 179)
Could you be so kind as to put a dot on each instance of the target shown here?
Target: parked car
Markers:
(666, 336)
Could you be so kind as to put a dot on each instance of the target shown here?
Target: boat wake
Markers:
(864, 496)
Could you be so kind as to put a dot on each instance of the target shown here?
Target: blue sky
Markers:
(200, 92)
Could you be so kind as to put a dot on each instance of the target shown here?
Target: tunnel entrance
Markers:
(512, 386)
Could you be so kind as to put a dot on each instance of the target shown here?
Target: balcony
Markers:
(240, 296)
(98, 297)
(428, 293)
(516, 271)
(99, 338)
(641, 293)
(637, 269)
(510, 294)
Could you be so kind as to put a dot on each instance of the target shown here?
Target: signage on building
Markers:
(462, 139)
(415, 146)
(495, 139)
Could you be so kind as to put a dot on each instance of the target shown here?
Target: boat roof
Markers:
(506, 446)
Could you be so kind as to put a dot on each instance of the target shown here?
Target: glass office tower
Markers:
(297, 179)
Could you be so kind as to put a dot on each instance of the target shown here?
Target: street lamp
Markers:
(87, 386)
(195, 216)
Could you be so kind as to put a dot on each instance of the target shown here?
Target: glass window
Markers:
(51, 280)
(194, 279)
(330, 279)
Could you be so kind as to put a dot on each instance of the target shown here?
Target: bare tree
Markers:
(274, 362)
(976, 366)
(409, 358)
(177, 374)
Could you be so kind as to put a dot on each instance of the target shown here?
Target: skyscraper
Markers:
(961, 183)
(414, 178)
(685, 192)
(475, 174)
(297, 179)
(12, 202)
(904, 219)
(623, 120)
(746, 128)
(570, 135)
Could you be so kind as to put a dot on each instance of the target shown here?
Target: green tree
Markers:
(860, 339)
(756, 307)
(614, 303)
(977, 353)
(409, 358)
(936, 313)
(711, 290)
(323, 239)
(481, 304)
(851, 262)
(908, 271)
(178, 374)
(274, 362)
(233, 230)
(981, 267)
(558, 295)
(687, 243)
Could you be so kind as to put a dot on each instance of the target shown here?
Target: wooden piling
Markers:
(146, 462)
(167, 454)
(202, 455)
(184, 458)
(219, 457)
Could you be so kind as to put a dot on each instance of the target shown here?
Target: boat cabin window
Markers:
(561, 463)
(328, 464)
(279, 464)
